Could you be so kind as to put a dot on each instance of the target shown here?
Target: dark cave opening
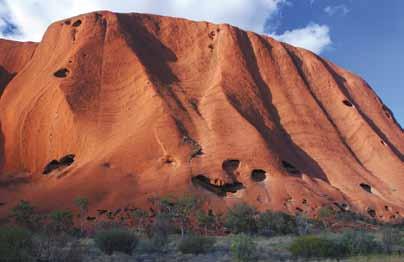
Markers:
(65, 161)
(52, 165)
(230, 165)
(220, 190)
(371, 212)
(61, 73)
(347, 103)
(258, 175)
(366, 187)
(77, 23)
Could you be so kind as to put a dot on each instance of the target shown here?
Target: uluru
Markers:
(123, 107)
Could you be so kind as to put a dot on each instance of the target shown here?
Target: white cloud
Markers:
(313, 37)
(332, 10)
(33, 16)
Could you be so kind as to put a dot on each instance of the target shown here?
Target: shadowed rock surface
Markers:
(173, 105)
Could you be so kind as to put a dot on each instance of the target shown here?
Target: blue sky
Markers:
(363, 36)
(367, 38)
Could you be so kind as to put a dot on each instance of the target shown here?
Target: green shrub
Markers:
(139, 218)
(194, 244)
(326, 212)
(15, 244)
(152, 245)
(312, 246)
(61, 221)
(116, 239)
(162, 226)
(82, 204)
(359, 243)
(25, 215)
(57, 247)
(243, 248)
(276, 223)
(390, 238)
(241, 219)
(205, 220)
(304, 225)
(177, 209)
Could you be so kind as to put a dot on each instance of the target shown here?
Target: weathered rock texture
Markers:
(131, 106)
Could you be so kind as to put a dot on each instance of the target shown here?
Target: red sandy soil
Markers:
(148, 103)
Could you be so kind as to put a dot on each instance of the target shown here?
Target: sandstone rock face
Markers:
(122, 107)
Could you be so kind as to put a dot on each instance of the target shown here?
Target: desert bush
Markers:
(205, 220)
(82, 204)
(303, 225)
(194, 244)
(276, 223)
(350, 216)
(25, 215)
(390, 238)
(152, 245)
(243, 248)
(139, 218)
(326, 212)
(115, 240)
(359, 243)
(15, 244)
(161, 227)
(177, 209)
(313, 246)
(241, 218)
(61, 221)
(58, 247)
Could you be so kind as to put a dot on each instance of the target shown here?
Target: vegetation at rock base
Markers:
(115, 240)
(243, 248)
(184, 226)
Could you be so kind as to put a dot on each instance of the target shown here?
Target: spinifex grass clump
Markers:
(116, 239)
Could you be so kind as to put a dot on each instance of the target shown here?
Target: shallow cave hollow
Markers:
(347, 103)
(366, 187)
(61, 73)
(67, 160)
(258, 175)
(230, 165)
(52, 165)
(371, 212)
(77, 23)
(222, 190)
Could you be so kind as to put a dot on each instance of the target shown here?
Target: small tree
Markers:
(241, 218)
(82, 204)
(116, 240)
(325, 215)
(359, 243)
(243, 248)
(276, 223)
(61, 221)
(25, 215)
(139, 217)
(194, 244)
(15, 244)
(313, 246)
(303, 225)
(179, 210)
(390, 238)
(160, 229)
(205, 220)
